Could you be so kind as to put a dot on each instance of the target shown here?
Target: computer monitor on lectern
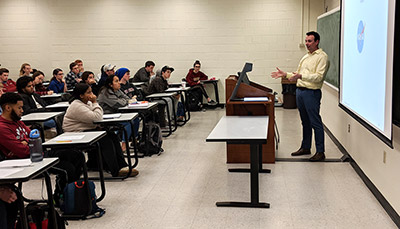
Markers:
(243, 78)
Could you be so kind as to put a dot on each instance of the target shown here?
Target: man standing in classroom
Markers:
(310, 76)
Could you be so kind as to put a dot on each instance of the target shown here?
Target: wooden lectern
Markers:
(239, 153)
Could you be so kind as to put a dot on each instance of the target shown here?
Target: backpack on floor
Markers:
(152, 141)
(76, 201)
(37, 214)
(194, 100)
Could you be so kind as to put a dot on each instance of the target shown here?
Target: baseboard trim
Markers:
(375, 191)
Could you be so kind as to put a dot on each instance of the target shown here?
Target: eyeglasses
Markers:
(197, 66)
(60, 74)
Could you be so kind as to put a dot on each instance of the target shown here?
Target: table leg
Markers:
(254, 184)
(22, 212)
(260, 165)
(52, 214)
(101, 173)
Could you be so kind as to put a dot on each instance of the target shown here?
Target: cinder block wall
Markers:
(222, 34)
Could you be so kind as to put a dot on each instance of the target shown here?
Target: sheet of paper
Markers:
(5, 172)
(15, 163)
(255, 99)
(71, 137)
(110, 116)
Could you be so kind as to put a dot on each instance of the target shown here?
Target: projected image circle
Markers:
(360, 36)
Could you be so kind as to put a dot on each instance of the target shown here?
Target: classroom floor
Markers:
(179, 188)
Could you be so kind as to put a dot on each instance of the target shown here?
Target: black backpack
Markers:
(76, 201)
(37, 214)
(194, 100)
(152, 141)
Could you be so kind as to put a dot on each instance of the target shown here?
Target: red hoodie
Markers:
(9, 86)
(11, 136)
(191, 75)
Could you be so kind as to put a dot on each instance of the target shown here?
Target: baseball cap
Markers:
(166, 67)
(108, 67)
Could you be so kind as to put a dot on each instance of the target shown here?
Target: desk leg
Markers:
(101, 173)
(260, 165)
(127, 151)
(135, 147)
(52, 214)
(254, 184)
(216, 92)
(21, 206)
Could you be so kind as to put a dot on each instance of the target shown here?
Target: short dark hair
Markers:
(3, 70)
(315, 34)
(22, 82)
(80, 89)
(36, 74)
(72, 65)
(196, 62)
(9, 98)
(85, 75)
(149, 63)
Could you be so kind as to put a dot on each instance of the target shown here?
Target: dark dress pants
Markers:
(308, 103)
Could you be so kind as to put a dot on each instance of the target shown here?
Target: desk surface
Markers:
(126, 117)
(158, 95)
(51, 96)
(240, 129)
(176, 89)
(67, 138)
(137, 108)
(31, 171)
(40, 117)
(59, 105)
(138, 83)
(209, 81)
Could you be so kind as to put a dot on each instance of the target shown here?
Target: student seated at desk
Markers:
(57, 83)
(158, 85)
(129, 89)
(8, 84)
(80, 115)
(193, 79)
(8, 207)
(40, 89)
(32, 101)
(111, 98)
(88, 78)
(14, 138)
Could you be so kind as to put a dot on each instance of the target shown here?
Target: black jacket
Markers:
(30, 105)
(157, 85)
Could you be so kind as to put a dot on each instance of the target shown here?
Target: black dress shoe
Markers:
(317, 157)
(301, 152)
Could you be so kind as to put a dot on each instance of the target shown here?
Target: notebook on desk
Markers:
(139, 104)
(111, 116)
(251, 99)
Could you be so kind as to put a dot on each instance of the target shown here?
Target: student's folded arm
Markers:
(88, 115)
(14, 146)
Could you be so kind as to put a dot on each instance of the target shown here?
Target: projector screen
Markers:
(366, 63)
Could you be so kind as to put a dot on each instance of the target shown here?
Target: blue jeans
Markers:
(308, 103)
(49, 124)
(128, 128)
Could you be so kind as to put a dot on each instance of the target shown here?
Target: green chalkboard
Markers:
(328, 27)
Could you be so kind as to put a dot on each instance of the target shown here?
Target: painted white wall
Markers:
(222, 34)
(366, 149)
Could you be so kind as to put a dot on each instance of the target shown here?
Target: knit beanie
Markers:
(121, 72)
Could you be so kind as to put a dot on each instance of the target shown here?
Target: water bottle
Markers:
(35, 146)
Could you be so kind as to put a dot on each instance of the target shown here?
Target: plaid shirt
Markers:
(70, 80)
